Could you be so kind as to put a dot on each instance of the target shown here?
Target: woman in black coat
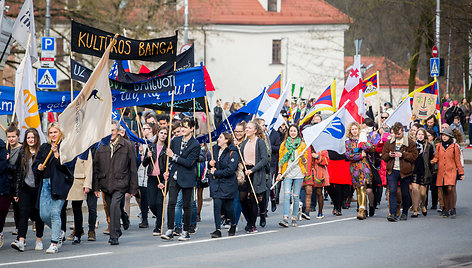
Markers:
(156, 152)
(55, 182)
(223, 182)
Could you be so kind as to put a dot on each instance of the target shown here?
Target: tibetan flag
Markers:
(274, 89)
(370, 85)
(326, 102)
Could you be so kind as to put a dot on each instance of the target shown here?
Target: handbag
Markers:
(374, 171)
(458, 176)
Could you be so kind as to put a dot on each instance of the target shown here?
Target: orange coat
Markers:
(449, 163)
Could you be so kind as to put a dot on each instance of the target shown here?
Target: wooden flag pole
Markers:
(378, 100)
(146, 141)
(168, 146)
(241, 156)
(21, 79)
(71, 83)
(50, 151)
(209, 128)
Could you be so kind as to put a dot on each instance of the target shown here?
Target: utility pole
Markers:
(48, 18)
(186, 22)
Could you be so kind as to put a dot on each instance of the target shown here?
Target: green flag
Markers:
(301, 89)
(293, 89)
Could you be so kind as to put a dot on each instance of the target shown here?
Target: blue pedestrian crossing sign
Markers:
(47, 78)
(434, 67)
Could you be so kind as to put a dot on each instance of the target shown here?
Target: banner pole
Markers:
(168, 146)
(71, 83)
(147, 145)
(209, 128)
(21, 79)
(378, 100)
(240, 154)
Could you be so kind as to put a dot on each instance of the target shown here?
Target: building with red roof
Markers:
(245, 44)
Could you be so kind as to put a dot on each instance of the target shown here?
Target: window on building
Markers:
(272, 5)
(276, 51)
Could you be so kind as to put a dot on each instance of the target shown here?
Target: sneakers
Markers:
(252, 230)
(294, 223)
(283, 223)
(114, 241)
(39, 245)
(156, 232)
(445, 214)
(169, 235)
(320, 216)
(391, 218)
(76, 240)
(144, 224)
(403, 217)
(53, 249)
(62, 238)
(226, 224)
(216, 234)
(71, 236)
(185, 236)
(92, 236)
(1, 239)
(107, 231)
(232, 230)
(371, 211)
(453, 213)
(18, 245)
(193, 229)
(306, 215)
(15, 232)
(177, 231)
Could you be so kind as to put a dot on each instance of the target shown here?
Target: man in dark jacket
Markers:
(183, 155)
(400, 154)
(4, 188)
(115, 173)
(218, 113)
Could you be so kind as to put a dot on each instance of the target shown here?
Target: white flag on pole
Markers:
(27, 111)
(330, 134)
(266, 103)
(402, 114)
(24, 25)
(273, 112)
(87, 119)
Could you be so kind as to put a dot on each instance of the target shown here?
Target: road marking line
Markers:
(326, 222)
(56, 259)
(215, 239)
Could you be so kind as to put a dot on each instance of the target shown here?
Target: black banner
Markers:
(92, 41)
(183, 61)
(161, 83)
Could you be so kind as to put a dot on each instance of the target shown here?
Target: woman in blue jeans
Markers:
(293, 159)
(55, 180)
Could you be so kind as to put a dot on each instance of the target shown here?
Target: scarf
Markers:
(420, 146)
(447, 143)
(291, 147)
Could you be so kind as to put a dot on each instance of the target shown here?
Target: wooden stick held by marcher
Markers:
(209, 128)
(146, 141)
(168, 146)
(50, 151)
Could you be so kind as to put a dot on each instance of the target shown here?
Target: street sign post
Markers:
(47, 78)
(434, 67)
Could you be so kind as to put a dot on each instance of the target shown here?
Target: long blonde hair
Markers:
(56, 126)
(349, 134)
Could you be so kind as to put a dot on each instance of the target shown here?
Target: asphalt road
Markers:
(429, 241)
